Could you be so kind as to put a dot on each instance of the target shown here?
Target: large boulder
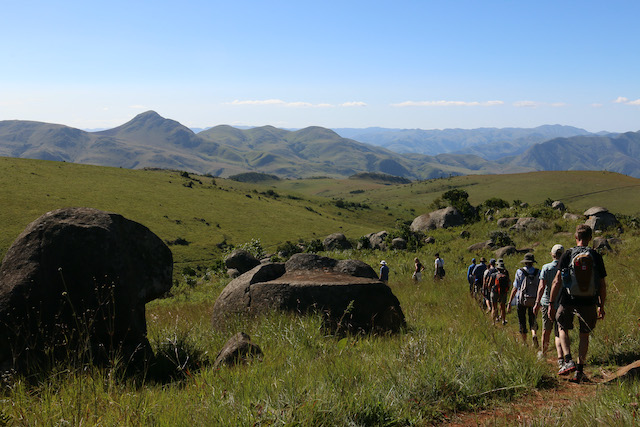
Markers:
(347, 292)
(480, 246)
(75, 283)
(399, 243)
(377, 240)
(336, 241)
(442, 218)
(240, 260)
(595, 210)
(600, 218)
(507, 222)
(505, 250)
(558, 205)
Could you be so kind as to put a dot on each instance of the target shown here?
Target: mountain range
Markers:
(149, 140)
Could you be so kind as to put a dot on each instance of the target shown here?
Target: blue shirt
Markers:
(469, 272)
(384, 273)
(548, 273)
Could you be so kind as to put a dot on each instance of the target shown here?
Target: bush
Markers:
(501, 238)
(496, 203)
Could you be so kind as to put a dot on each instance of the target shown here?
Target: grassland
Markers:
(449, 359)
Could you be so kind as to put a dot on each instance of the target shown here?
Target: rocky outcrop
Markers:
(75, 284)
(507, 222)
(347, 292)
(505, 250)
(558, 205)
(442, 218)
(529, 224)
(336, 241)
(599, 218)
(240, 260)
(399, 243)
(487, 244)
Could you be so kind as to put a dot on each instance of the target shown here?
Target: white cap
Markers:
(557, 250)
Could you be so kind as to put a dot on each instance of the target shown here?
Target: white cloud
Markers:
(597, 105)
(621, 100)
(636, 102)
(443, 103)
(353, 104)
(526, 104)
(558, 104)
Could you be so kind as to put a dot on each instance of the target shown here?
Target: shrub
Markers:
(501, 238)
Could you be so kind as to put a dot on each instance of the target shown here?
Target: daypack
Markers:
(528, 288)
(501, 283)
(580, 279)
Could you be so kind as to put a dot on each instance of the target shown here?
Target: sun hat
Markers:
(556, 250)
(500, 264)
(483, 259)
(383, 262)
(492, 261)
(528, 257)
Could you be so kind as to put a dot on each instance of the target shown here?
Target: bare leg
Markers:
(583, 348)
(565, 341)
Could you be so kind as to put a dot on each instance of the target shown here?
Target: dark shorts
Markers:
(497, 298)
(523, 313)
(587, 316)
(547, 323)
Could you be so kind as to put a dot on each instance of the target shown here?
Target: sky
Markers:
(292, 64)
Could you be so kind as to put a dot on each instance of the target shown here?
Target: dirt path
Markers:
(540, 404)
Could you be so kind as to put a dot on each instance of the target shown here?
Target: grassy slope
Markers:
(160, 201)
(449, 359)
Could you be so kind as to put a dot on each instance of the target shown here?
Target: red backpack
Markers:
(501, 283)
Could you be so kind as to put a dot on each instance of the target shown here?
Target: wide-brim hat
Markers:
(528, 257)
(383, 262)
(483, 259)
(500, 265)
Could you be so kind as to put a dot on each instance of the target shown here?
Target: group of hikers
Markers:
(418, 268)
(572, 284)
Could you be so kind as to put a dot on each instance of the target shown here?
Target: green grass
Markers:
(449, 359)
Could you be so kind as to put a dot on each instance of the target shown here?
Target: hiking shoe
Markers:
(567, 368)
(560, 363)
(579, 377)
(540, 355)
(504, 322)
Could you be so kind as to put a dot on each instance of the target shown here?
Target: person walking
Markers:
(470, 277)
(438, 272)
(417, 270)
(525, 286)
(547, 274)
(486, 282)
(580, 282)
(500, 282)
(478, 274)
(384, 271)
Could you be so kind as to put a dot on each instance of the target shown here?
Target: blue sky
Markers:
(397, 64)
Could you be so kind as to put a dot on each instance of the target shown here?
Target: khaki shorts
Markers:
(587, 316)
(547, 323)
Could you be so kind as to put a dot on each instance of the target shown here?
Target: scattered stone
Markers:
(336, 241)
(507, 222)
(464, 234)
(601, 243)
(505, 250)
(239, 349)
(442, 218)
(347, 292)
(75, 283)
(430, 240)
(529, 224)
(241, 260)
(487, 244)
(600, 218)
(399, 243)
(378, 240)
(558, 205)
(571, 217)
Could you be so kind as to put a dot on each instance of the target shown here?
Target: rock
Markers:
(241, 260)
(505, 250)
(336, 241)
(399, 243)
(378, 240)
(558, 205)
(464, 234)
(571, 217)
(233, 273)
(595, 210)
(524, 205)
(602, 221)
(430, 240)
(347, 292)
(487, 244)
(507, 222)
(75, 282)
(601, 243)
(239, 349)
(529, 223)
(442, 218)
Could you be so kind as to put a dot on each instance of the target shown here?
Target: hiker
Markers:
(486, 290)
(525, 285)
(384, 271)
(478, 273)
(417, 270)
(438, 272)
(470, 277)
(499, 289)
(547, 274)
(580, 281)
